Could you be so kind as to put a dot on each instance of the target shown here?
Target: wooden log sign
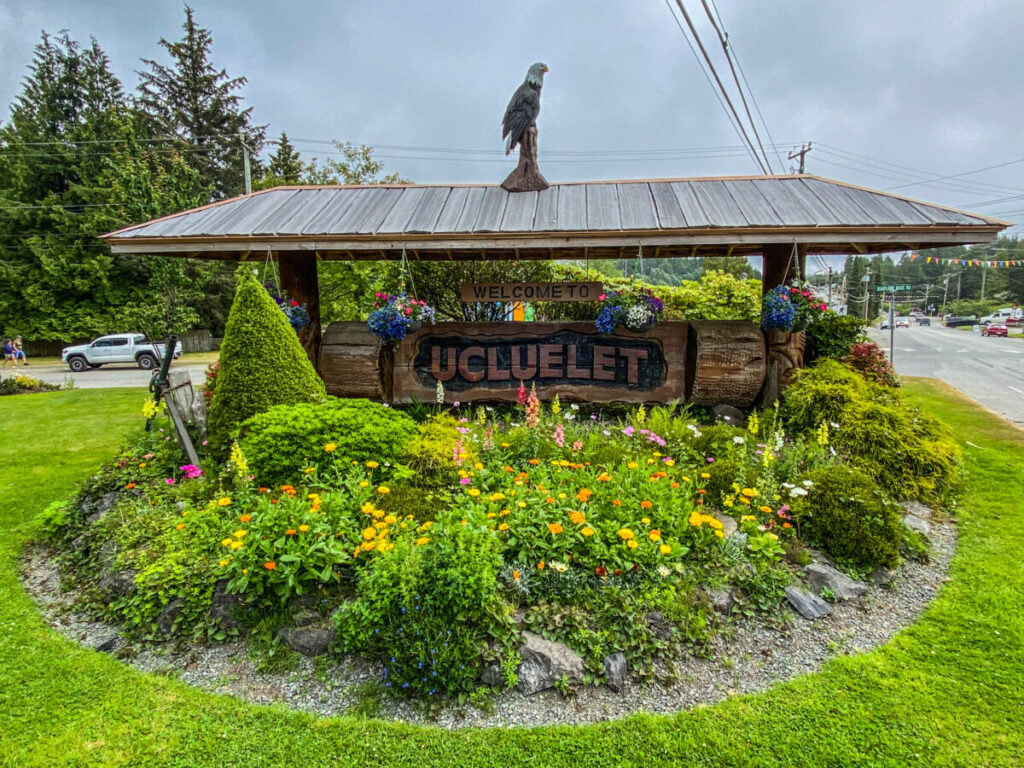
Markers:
(487, 361)
(513, 292)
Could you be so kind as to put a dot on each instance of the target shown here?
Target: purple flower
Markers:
(463, 430)
(711, 459)
(628, 431)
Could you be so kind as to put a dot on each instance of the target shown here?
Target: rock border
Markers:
(752, 656)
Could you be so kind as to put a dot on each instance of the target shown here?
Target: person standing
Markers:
(8, 353)
(19, 353)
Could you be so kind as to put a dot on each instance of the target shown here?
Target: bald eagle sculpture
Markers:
(519, 127)
(523, 108)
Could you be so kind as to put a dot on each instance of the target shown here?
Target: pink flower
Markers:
(521, 393)
(577, 445)
(169, 481)
(602, 297)
(465, 481)
(559, 436)
(408, 310)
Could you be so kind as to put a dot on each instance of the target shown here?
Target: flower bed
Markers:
(484, 546)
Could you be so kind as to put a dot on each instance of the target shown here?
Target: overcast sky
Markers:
(931, 85)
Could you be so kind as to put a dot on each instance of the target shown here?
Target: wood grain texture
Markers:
(486, 361)
(354, 362)
(727, 360)
(510, 292)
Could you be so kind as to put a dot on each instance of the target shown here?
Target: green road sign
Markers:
(891, 288)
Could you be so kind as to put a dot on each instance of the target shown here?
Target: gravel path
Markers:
(748, 656)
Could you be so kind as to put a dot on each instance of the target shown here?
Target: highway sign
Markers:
(891, 288)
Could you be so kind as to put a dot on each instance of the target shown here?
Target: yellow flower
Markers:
(625, 534)
(586, 530)
(632, 465)
(224, 562)
(747, 518)
(236, 545)
(226, 542)
(503, 527)
(670, 462)
(491, 514)
(369, 533)
(389, 519)
(331, 447)
(372, 465)
(303, 528)
(308, 470)
(540, 566)
(478, 466)
(632, 544)
(142, 465)
(363, 483)
(383, 490)
(521, 504)
(555, 528)
(499, 496)
(224, 501)
(655, 535)
(665, 549)
(473, 491)
(422, 540)
(577, 517)
(720, 534)
(645, 520)
(705, 475)
(749, 492)
(506, 512)
(369, 545)
(427, 524)
(240, 533)
(766, 509)
(179, 526)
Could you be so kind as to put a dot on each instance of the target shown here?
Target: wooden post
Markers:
(526, 177)
(778, 266)
(299, 280)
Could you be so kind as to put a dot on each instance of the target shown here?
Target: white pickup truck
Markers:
(115, 348)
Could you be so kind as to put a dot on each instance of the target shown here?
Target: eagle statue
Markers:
(519, 127)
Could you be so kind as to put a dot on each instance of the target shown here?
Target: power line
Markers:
(735, 125)
(724, 40)
(718, 80)
(965, 173)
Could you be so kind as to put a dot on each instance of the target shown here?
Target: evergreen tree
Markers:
(193, 101)
(285, 163)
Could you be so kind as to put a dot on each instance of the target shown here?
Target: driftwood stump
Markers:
(785, 356)
(526, 177)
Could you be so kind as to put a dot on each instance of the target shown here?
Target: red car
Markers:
(994, 329)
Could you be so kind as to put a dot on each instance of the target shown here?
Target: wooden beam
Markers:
(299, 280)
(778, 265)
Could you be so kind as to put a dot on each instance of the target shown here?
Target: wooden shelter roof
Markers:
(606, 219)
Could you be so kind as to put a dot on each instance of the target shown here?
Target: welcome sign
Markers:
(487, 361)
(516, 292)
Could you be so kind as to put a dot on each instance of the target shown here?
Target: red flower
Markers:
(295, 303)
(601, 570)
(617, 572)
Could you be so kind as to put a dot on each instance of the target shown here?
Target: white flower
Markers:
(569, 416)
(605, 432)
(798, 492)
(558, 567)
(663, 571)
(574, 406)
(738, 440)
(807, 483)
(834, 425)
(788, 485)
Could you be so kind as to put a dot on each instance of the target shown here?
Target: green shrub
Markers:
(279, 443)
(262, 363)
(832, 336)
(822, 393)
(426, 609)
(431, 449)
(847, 514)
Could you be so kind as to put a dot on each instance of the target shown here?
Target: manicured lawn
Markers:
(947, 691)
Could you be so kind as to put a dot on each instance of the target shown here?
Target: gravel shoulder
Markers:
(748, 656)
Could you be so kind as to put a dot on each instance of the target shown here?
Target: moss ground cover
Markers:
(945, 692)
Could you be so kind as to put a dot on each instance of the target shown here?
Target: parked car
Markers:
(1000, 316)
(952, 321)
(884, 325)
(923, 320)
(115, 348)
(994, 329)
(902, 322)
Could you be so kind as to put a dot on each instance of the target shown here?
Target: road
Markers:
(987, 369)
(113, 375)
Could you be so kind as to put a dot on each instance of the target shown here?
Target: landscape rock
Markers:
(79, 544)
(107, 642)
(309, 641)
(915, 523)
(491, 675)
(807, 605)
(118, 582)
(821, 576)
(107, 553)
(546, 663)
(171, 611)
(305, 618)
(729, 524)
(659, 626)
(818, 556)
(104, 504)
(882, 576)
(223, 605)
(721, 600)
(916, 508)
(727, 414)
(615, 671)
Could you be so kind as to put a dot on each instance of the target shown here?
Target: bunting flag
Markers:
(995, 264)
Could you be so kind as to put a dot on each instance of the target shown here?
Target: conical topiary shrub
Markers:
(262, 363)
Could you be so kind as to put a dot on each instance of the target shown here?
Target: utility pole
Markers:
(867, 284)
(945, 293)
(984, 269)
(829, 302)
(245, 163)
(804, 149)
(927, 287)
(958, 276)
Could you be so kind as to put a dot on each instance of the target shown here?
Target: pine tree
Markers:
(285, 164)
(192, 100)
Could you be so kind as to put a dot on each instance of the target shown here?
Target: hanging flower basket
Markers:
(297, 314)
(636, 309)
(395, 316)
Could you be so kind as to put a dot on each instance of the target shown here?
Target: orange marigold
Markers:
(577, 517)
(646, 504)
(270, 565)
(555, 528)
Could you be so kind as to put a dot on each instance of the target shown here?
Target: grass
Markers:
(194, 358)
(948, 691)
